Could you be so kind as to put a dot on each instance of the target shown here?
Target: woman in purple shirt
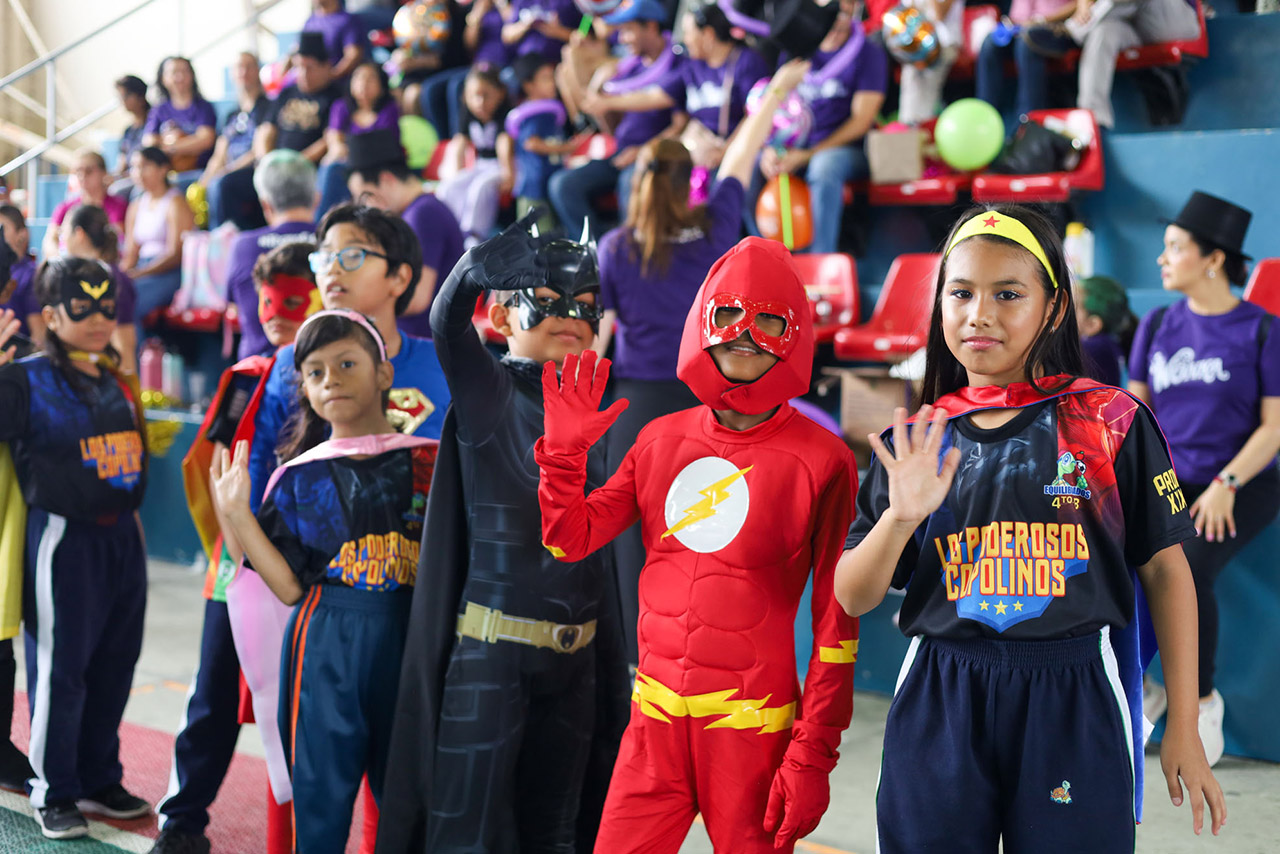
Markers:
(344, 39)
(540, 26)
(1209, 367)
(367, 106)
(650, 270)
(183, 125)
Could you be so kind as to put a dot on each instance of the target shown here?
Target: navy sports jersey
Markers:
(1042, 523)
(343, 520)
(77, 450)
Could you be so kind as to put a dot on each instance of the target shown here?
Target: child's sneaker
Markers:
(61, 821)
(1211, 713)
(176, 842)
(1155, 700)
(114, 802)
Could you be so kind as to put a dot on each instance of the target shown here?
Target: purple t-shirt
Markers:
(699, 90)
(200, 114)
(441, 240)
(831, 100)
(244, 253)
(23, 299)
(639, 128)
(1103, 359)
(562, 12)
(388, 118)
(1206, 375)
(652, 308)
(489, 47)
(339, 30)
(126, 296)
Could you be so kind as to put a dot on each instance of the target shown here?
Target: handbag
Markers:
(1034, 150)
(705, 146)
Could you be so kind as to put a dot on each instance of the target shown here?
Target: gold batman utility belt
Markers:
(658, 701)
(491, 625)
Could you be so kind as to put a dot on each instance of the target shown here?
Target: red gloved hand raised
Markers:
(573, 420)
(800, 792)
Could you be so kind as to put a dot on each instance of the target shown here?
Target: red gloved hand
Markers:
(800, 792)
(573, 421)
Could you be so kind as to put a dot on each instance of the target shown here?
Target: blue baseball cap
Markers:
(637, 10)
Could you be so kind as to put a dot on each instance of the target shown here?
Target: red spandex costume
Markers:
(732, 524)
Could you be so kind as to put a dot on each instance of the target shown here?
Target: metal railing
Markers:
(53, 136)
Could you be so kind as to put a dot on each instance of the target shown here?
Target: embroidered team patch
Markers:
(1061, 794)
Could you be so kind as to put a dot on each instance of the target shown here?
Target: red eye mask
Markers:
(778, 345)
(275, 295)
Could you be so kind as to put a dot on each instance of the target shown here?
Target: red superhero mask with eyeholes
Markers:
(758, 277)
(291, 297)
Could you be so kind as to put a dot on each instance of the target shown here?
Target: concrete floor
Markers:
(174, 615)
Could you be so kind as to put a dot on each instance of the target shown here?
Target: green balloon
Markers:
(419, 139)
(969, 134)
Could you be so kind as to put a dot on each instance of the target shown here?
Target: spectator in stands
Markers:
(380, 178)
(922, 87)
(367, 106)
(153, 232)
(1209, 367)
(91, 179)
(537, 128)
(300, 113)
(17, 292)
(234, 149)
(845, 90)
(132, 92)
(651, 268)
(650, 59)
(1032, 67)
(473, 193)
(1119, 27)
(540, 26)
(418, 65)
(285, 183)
(183, 125)
(1106, 327)
(91, 234)
(344, 40)
(441, 93)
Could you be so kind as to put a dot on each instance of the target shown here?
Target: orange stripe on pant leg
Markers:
(300, 646)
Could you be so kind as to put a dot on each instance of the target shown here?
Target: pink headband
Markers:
(355, 317)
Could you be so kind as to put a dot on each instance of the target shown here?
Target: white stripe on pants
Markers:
(49, 541)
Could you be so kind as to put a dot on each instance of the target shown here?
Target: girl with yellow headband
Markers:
(1031, 516)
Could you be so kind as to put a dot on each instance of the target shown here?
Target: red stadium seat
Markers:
(937, 190)
(1049, 186)
(900, 323)
(598, 146)
(1151, 55)
(1264, 285)
(831, 283)
(968, 56)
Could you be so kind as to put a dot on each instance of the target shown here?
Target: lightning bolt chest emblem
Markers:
(707, 504)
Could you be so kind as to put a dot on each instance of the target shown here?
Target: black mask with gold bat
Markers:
(85, 288)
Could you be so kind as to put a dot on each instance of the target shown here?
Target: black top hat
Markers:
(799, 26)
(311, 44)
(1216, 221)
(375, 149)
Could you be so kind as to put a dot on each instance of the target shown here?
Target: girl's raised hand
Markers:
(231, 485)
(917, 482)
(9, 326)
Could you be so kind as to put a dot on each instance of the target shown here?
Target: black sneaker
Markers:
(177, 842)
(14, 769)
(61, 821)
(114, 802)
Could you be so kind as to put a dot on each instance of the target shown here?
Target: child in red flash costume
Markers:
(737, 501)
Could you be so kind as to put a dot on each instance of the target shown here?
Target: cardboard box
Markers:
(868, 397)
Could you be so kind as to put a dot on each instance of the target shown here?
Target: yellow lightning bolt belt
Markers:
(661, 703)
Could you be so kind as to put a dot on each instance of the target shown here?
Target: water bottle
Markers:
(172, 382)
(150, 365)
(1079, 248)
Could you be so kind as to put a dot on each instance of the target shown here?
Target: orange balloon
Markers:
(783, 212)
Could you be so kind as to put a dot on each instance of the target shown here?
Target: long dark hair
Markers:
(1056, 350)
(196, 97)
(306, 429)
(659, 208)
(95, 224)
(379, 102)
(49, 292)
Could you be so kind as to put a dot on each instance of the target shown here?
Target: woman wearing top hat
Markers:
(1209, 366)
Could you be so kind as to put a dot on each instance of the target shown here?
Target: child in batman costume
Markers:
(1029, 515)
(740, 502)
(510, 649)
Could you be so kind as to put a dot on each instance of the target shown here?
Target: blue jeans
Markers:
(441, 95)
(331, 183)
(1033, 75)
(572, 192)
(827, 173)
(155, 291)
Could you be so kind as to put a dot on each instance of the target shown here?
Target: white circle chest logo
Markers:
(707, 504)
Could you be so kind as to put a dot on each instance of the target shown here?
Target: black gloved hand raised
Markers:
(507, 262)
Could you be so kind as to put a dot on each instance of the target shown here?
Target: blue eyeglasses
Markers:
(349, 259)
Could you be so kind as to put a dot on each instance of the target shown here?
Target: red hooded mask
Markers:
(759, 277)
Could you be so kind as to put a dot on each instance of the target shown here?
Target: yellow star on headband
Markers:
(1002, 225)
(95, 292)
